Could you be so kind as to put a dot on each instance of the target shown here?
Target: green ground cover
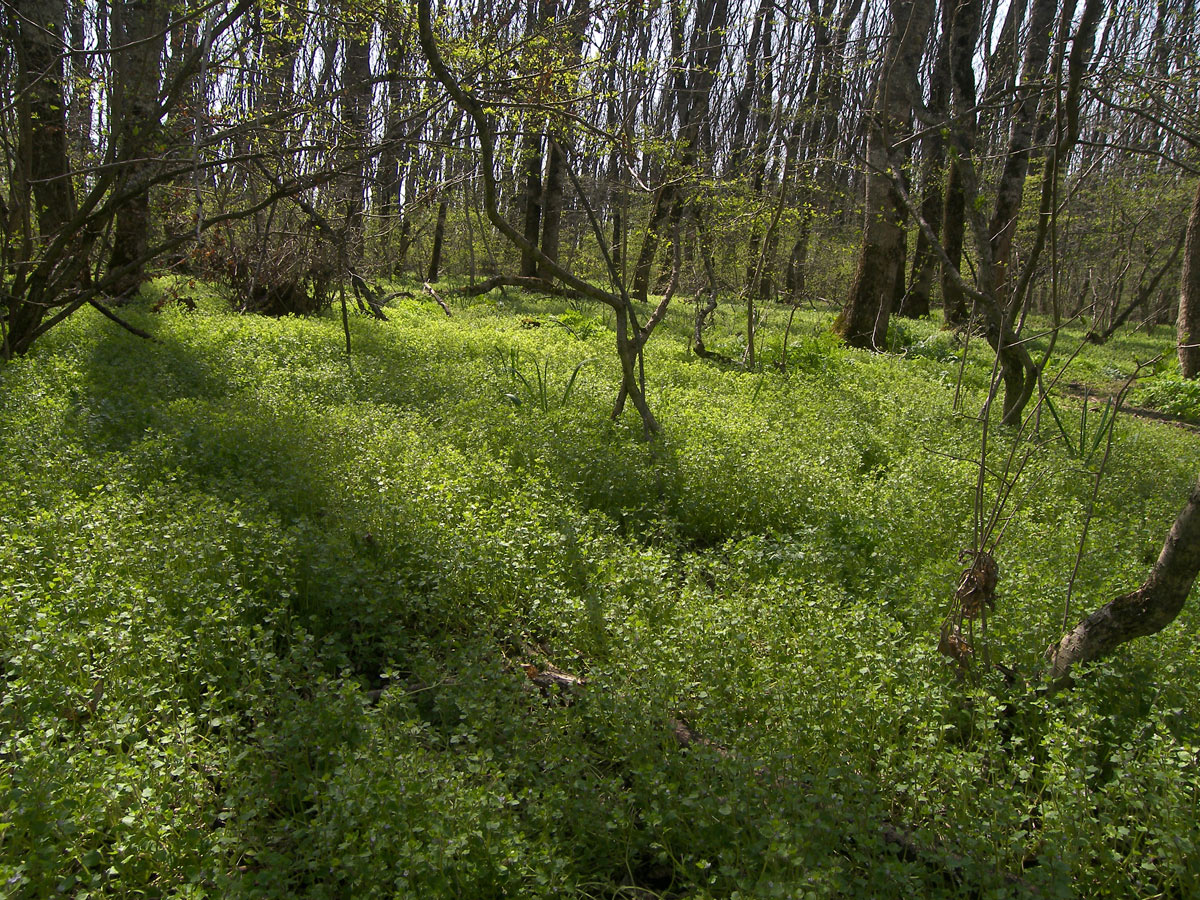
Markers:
(265, 617)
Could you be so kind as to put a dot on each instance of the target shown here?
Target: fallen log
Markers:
(526, 282)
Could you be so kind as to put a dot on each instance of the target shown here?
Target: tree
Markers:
(864, 319)
(630, 336)
(1144, 611)
(963, 38)
(46, 255)
(915, 303)
(138, 31)
(1189, 296)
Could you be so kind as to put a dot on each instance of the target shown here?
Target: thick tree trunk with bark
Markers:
(864, 319)
(531, 200)
(664, 199)
(552, 205)
(1145, 611)
(964, 26)
(43, 179)
(1189, 296)
(915, 302)
(954, 302)
(138, 39)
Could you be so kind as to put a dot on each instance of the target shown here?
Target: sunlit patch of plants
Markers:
(271, 615)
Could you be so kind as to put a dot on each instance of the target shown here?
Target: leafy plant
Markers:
(536, 388)
(1170, 394)
(267, 624)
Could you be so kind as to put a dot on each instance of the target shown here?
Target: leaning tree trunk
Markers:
(1189, 296)
(1145, 611)
(864, 319)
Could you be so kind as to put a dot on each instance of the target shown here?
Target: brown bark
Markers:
(664, 199)
(522, 281)
(531, 200)
(954, 302)
(964, 36)
(864, 319)
(439, 233)
(1188, 324)
(138, 28)
(915, 301)
(552, 205)
(1145, 611)
(43, 187)
(1011, 188)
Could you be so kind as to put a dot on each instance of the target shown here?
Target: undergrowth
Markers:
(266, 612)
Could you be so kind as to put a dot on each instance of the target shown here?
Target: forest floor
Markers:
(423, 621)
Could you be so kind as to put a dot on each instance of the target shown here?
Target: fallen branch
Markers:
(363, 292)
(109, 314)
(526, 282)
(440, 301)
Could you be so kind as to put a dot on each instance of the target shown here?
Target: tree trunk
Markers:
(439, 233)
(864, 319)
(1011, 188)
(552, 204)
(664, 199)
(43, 180)
(915, 302)
(356, 108)
(559, 141)
(531, 198)
(954, 303)
(537, 14)
(692, 95)
(137, 36)
(1145, 611)
(81, 105)
(1189, 296)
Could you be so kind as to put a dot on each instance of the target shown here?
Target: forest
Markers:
(623, 449)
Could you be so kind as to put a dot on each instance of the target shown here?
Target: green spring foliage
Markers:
(217, 546)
